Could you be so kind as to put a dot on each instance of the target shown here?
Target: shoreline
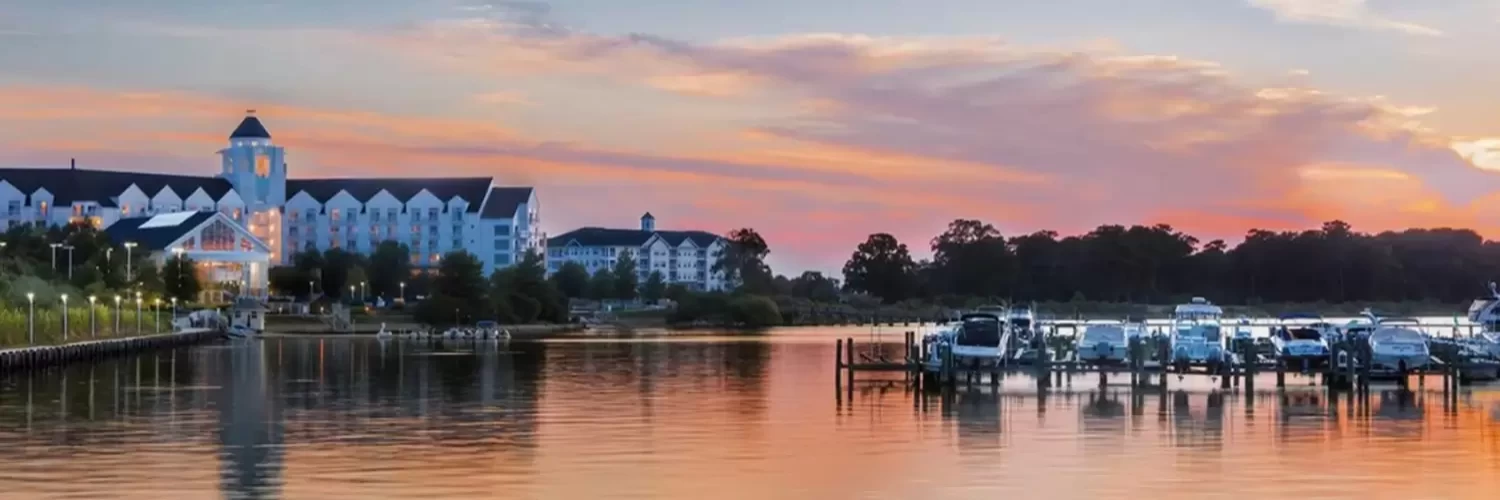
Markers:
(38, 357)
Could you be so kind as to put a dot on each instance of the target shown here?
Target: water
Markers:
(723, 417)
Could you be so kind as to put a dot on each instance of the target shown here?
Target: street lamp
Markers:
(128, 276)
(174, 312)
(65, 317)
(30, 318)
(156, 302)
(137, 313)
(92, 320)
(403, 291)
(351, 292)
(364, 288)
(117, 315)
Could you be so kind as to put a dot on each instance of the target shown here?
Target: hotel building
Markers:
(683, 257)
(282, 216)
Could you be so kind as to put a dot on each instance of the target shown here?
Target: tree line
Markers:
(1158, 264)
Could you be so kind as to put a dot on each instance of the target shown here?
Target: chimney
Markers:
(72, 164)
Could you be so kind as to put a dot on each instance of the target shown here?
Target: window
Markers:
(262, 165)
(432, 230)
(312, 214)
(218, 236)
(502, 244)
(15, 209)
(125, 209)
(246, 246)
(502, 230)
(374, 216)
(458, 215)
(77, 210)
(333, 215)
(502, 259)
(432, 214)
(457, 243)
(353, 244)
(236, 214)
(416, 230)
(432, 244)
(393, 213)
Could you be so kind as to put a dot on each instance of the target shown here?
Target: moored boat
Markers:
(978, 338)
(1104, 344)
(1197, 338)
(1398, 349)
(1301, 340)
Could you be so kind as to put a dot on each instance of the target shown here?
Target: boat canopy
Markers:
(1211, 333)
(1399, 321)
(1398, 335)
(1482, 310)
(979, 330)
(1199, 308)
(1303, 333)
(1102, 333)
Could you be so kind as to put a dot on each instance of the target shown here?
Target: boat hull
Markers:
(1385, 360)
(1104, 354)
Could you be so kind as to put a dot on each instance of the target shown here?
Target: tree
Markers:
(572, 279)
(743, 261)
(523, 294)
(972, 258)
(602, 284)
(338, 265)
(180, 279)
(812, 285)
(882, 267)
(626, 283)
(288, 280)
(459, 292)
(390, 266)
(654, 288)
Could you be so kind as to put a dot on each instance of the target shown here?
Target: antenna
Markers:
(1493, 290)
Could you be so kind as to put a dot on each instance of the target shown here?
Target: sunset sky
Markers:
(815, 122)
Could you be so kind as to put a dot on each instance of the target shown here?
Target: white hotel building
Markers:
(683, 257)
(433, 216)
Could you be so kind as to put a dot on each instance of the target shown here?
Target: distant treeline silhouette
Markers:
(1157, 264)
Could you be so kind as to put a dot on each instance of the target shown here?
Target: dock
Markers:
(1346, 370)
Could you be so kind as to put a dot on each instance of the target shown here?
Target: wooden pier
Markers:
(1347, 368)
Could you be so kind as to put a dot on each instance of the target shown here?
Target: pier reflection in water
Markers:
(712, 416)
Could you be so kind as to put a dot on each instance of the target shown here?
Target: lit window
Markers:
(262, 165)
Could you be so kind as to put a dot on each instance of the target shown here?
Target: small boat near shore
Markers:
(1301, 340)
(977, 339)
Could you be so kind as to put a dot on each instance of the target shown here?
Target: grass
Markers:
(13, 331)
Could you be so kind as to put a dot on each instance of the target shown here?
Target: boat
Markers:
(1197, 339)
(1104, 344)
(1485, 312)
(978, 338)
(1397, 349)
(240, 331)
(1301, 340)
(1022, 322)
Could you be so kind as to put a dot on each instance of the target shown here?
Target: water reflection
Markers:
(706, 417)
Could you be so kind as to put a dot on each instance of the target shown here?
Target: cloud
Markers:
(829, 137)
(1342, 13)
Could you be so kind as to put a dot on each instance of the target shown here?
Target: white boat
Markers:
(1301, 340)
(1197, 337)
(1022, 322)
(1104, 344)
(978, 338)
(1397, 349)
(1485, 312)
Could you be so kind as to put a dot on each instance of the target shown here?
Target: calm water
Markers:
(706, 417)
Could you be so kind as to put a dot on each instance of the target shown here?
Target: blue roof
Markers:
(250, 128)
(156, 237)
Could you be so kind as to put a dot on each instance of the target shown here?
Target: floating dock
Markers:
(38, 357)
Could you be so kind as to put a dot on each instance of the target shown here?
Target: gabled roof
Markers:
(598, 236)
(471, 189)
(157, 232)
(72, 185)
(250, 128)
(701, 238)
(504, 201)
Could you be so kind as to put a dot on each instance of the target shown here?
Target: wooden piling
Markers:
(1280, 374)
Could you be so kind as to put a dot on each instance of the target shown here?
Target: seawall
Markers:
(32, 358)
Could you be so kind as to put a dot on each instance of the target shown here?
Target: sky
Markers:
(815, 122)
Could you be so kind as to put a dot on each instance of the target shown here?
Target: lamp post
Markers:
(156, 302)
(364, 288)
(309, 290)
(129, 277)
(117, 315)
(30, 318)
(403, 292)
(65, 317)
(54, 246)
(137, 313)
(93, 329)
(174, 312)
(351, 292)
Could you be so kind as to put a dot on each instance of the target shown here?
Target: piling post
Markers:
(1280, 374)
(838, 355)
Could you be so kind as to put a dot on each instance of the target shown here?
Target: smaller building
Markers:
(682, 257)
(228, 260)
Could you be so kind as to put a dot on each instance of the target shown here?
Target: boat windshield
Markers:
(1096, 334)
(1020, 323)
(979, 332)
(1397, 335)
(1209, 333)
(1301, 334)
(1478, 307)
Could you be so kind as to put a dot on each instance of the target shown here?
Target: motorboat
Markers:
(978, 338)
(1104, 344)
(1398, 349)
(1485, 312)
(1301, 340)
(1197, 338)
(1022, 322)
